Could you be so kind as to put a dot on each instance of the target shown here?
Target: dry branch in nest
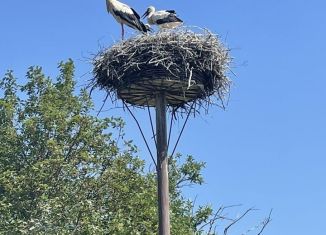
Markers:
(187, 66)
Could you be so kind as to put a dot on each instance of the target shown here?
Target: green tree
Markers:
(65, 171)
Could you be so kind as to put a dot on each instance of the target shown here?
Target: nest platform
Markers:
(187, 66)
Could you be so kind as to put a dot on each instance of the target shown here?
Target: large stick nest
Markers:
(188, 67)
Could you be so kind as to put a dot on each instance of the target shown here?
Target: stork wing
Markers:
(131, 19)
(169, 19)
(171, 11)
(135, 13)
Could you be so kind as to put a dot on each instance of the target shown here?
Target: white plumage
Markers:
(165, 19)
(124, 14)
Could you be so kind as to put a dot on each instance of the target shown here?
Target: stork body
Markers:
(165, 19)
(125, 15)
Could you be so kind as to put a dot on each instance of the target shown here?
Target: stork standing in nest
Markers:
(124, 14)
(165, 19)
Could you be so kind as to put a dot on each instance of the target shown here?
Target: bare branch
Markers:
(237, 220)
(266, 222)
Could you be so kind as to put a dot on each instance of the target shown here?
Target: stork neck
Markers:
(150, 14)
(111, 1)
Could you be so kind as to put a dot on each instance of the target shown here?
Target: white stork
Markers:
(124, 14)
(165, 19)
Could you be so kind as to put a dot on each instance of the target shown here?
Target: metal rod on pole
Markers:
(162, 165)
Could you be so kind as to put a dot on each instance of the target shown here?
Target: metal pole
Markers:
(162, 165)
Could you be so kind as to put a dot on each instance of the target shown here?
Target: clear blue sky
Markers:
(268, 148)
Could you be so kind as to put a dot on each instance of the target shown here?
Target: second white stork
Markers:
(165, 19)
(124, 14)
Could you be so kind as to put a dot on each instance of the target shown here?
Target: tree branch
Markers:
(237, 220)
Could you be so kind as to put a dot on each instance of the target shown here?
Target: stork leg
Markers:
(122, 32)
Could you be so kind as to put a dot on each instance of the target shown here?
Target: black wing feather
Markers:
(132, 19)
(135, 12)
(170, 19)
(171, 11)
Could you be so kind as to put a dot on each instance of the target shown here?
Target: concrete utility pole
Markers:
(162, 165)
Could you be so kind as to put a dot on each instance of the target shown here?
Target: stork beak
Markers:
(145, 14)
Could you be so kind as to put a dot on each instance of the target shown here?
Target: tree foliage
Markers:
(65, 171)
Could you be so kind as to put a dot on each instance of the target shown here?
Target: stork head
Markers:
(150, 10)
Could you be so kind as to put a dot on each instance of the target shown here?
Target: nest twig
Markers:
(188, 66)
